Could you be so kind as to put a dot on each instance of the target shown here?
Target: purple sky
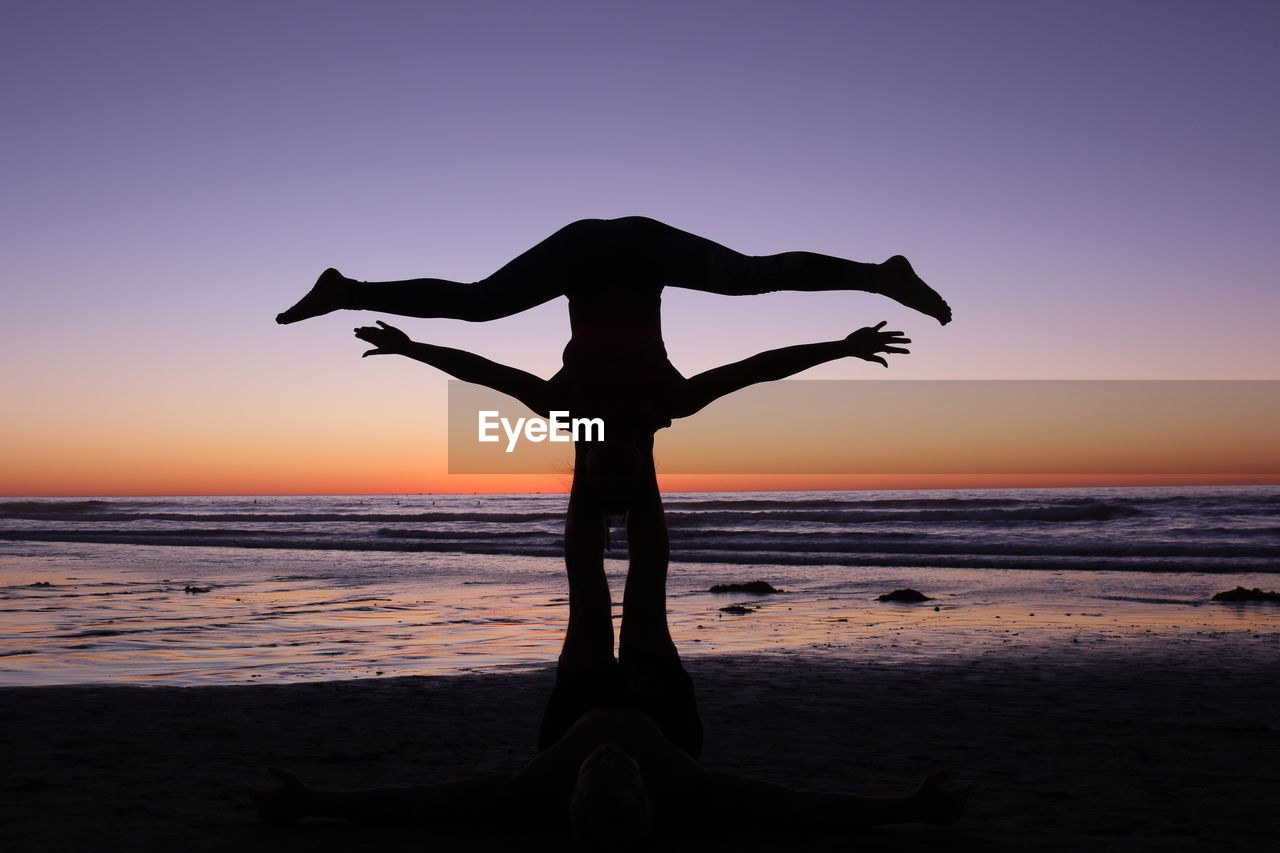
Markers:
(1093, 185)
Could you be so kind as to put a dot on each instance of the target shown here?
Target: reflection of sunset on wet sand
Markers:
(322, 587)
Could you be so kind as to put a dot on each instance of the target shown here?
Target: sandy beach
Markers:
(1146, 745)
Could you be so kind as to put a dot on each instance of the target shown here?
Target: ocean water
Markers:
(195, 590)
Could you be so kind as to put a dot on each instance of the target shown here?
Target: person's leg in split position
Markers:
(633, 252)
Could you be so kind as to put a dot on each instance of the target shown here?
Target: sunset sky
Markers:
(1092, 185)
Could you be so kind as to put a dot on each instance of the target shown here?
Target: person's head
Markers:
(610, 808)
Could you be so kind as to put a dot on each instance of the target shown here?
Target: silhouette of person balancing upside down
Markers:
(613, 272)
(619, 740)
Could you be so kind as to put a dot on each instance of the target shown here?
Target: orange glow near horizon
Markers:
(139, 467)
(427, 483)
(352, 452)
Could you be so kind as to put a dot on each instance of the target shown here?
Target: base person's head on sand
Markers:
(610, 800)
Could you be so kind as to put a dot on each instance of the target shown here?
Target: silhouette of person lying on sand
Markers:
(625, 263)
(619, 739)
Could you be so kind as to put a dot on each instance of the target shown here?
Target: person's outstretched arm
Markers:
(454, 803)
(469, 367)
(705, 388)
(931, 803)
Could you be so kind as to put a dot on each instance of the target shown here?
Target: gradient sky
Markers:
(1093, 185)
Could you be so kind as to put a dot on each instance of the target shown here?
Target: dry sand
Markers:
(1146, 746)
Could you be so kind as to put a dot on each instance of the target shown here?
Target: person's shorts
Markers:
(657, 686)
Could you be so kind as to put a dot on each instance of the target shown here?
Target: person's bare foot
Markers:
(329, 293)
(290, 801)
(897, 280)
(931, 803)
